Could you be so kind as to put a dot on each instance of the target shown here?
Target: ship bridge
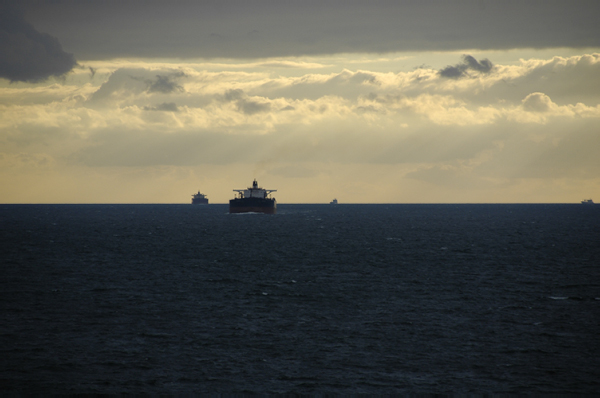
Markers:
(254, 191)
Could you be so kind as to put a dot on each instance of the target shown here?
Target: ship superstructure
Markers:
(199, 199)
(253, 199)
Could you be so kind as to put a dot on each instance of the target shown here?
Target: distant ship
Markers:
(333, 202)
(253, 200)
(199, 199)
(587, 202)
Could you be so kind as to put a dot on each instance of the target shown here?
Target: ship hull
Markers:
(199, 201)
(253, 205)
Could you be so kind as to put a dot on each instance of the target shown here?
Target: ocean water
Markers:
(375, 299)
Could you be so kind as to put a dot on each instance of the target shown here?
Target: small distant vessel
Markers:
(333, 202)
(199, 199)
(253, 200)
(587, 202)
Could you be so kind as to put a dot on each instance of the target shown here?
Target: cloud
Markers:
(165, 106)
(537, 102)
(469, 63)
(27, 55)
(164, 84)
(245, 104)
(367, 117)
(571, 78)
(130, 83)
(216, 29)
(290, 64)
(236, 99)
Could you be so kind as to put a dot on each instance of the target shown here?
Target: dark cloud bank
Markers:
(27, 55)
(264, 28)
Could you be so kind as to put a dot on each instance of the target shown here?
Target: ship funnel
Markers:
(255, 184)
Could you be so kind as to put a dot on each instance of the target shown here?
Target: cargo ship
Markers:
(253, 200)
(199, 199)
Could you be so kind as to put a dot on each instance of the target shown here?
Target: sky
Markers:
(365, 101)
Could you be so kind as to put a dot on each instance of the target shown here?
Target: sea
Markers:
(318, 299)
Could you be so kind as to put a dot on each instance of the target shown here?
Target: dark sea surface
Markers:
(378, 299)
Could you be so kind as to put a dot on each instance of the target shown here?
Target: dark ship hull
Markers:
(253, 205)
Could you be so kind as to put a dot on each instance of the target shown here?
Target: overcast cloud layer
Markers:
(267, 28)
(120, 120)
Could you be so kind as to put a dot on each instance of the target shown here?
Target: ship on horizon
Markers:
(199, 199)
(587, 202)
(253, 199)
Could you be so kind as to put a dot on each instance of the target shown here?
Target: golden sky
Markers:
(380, 102)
